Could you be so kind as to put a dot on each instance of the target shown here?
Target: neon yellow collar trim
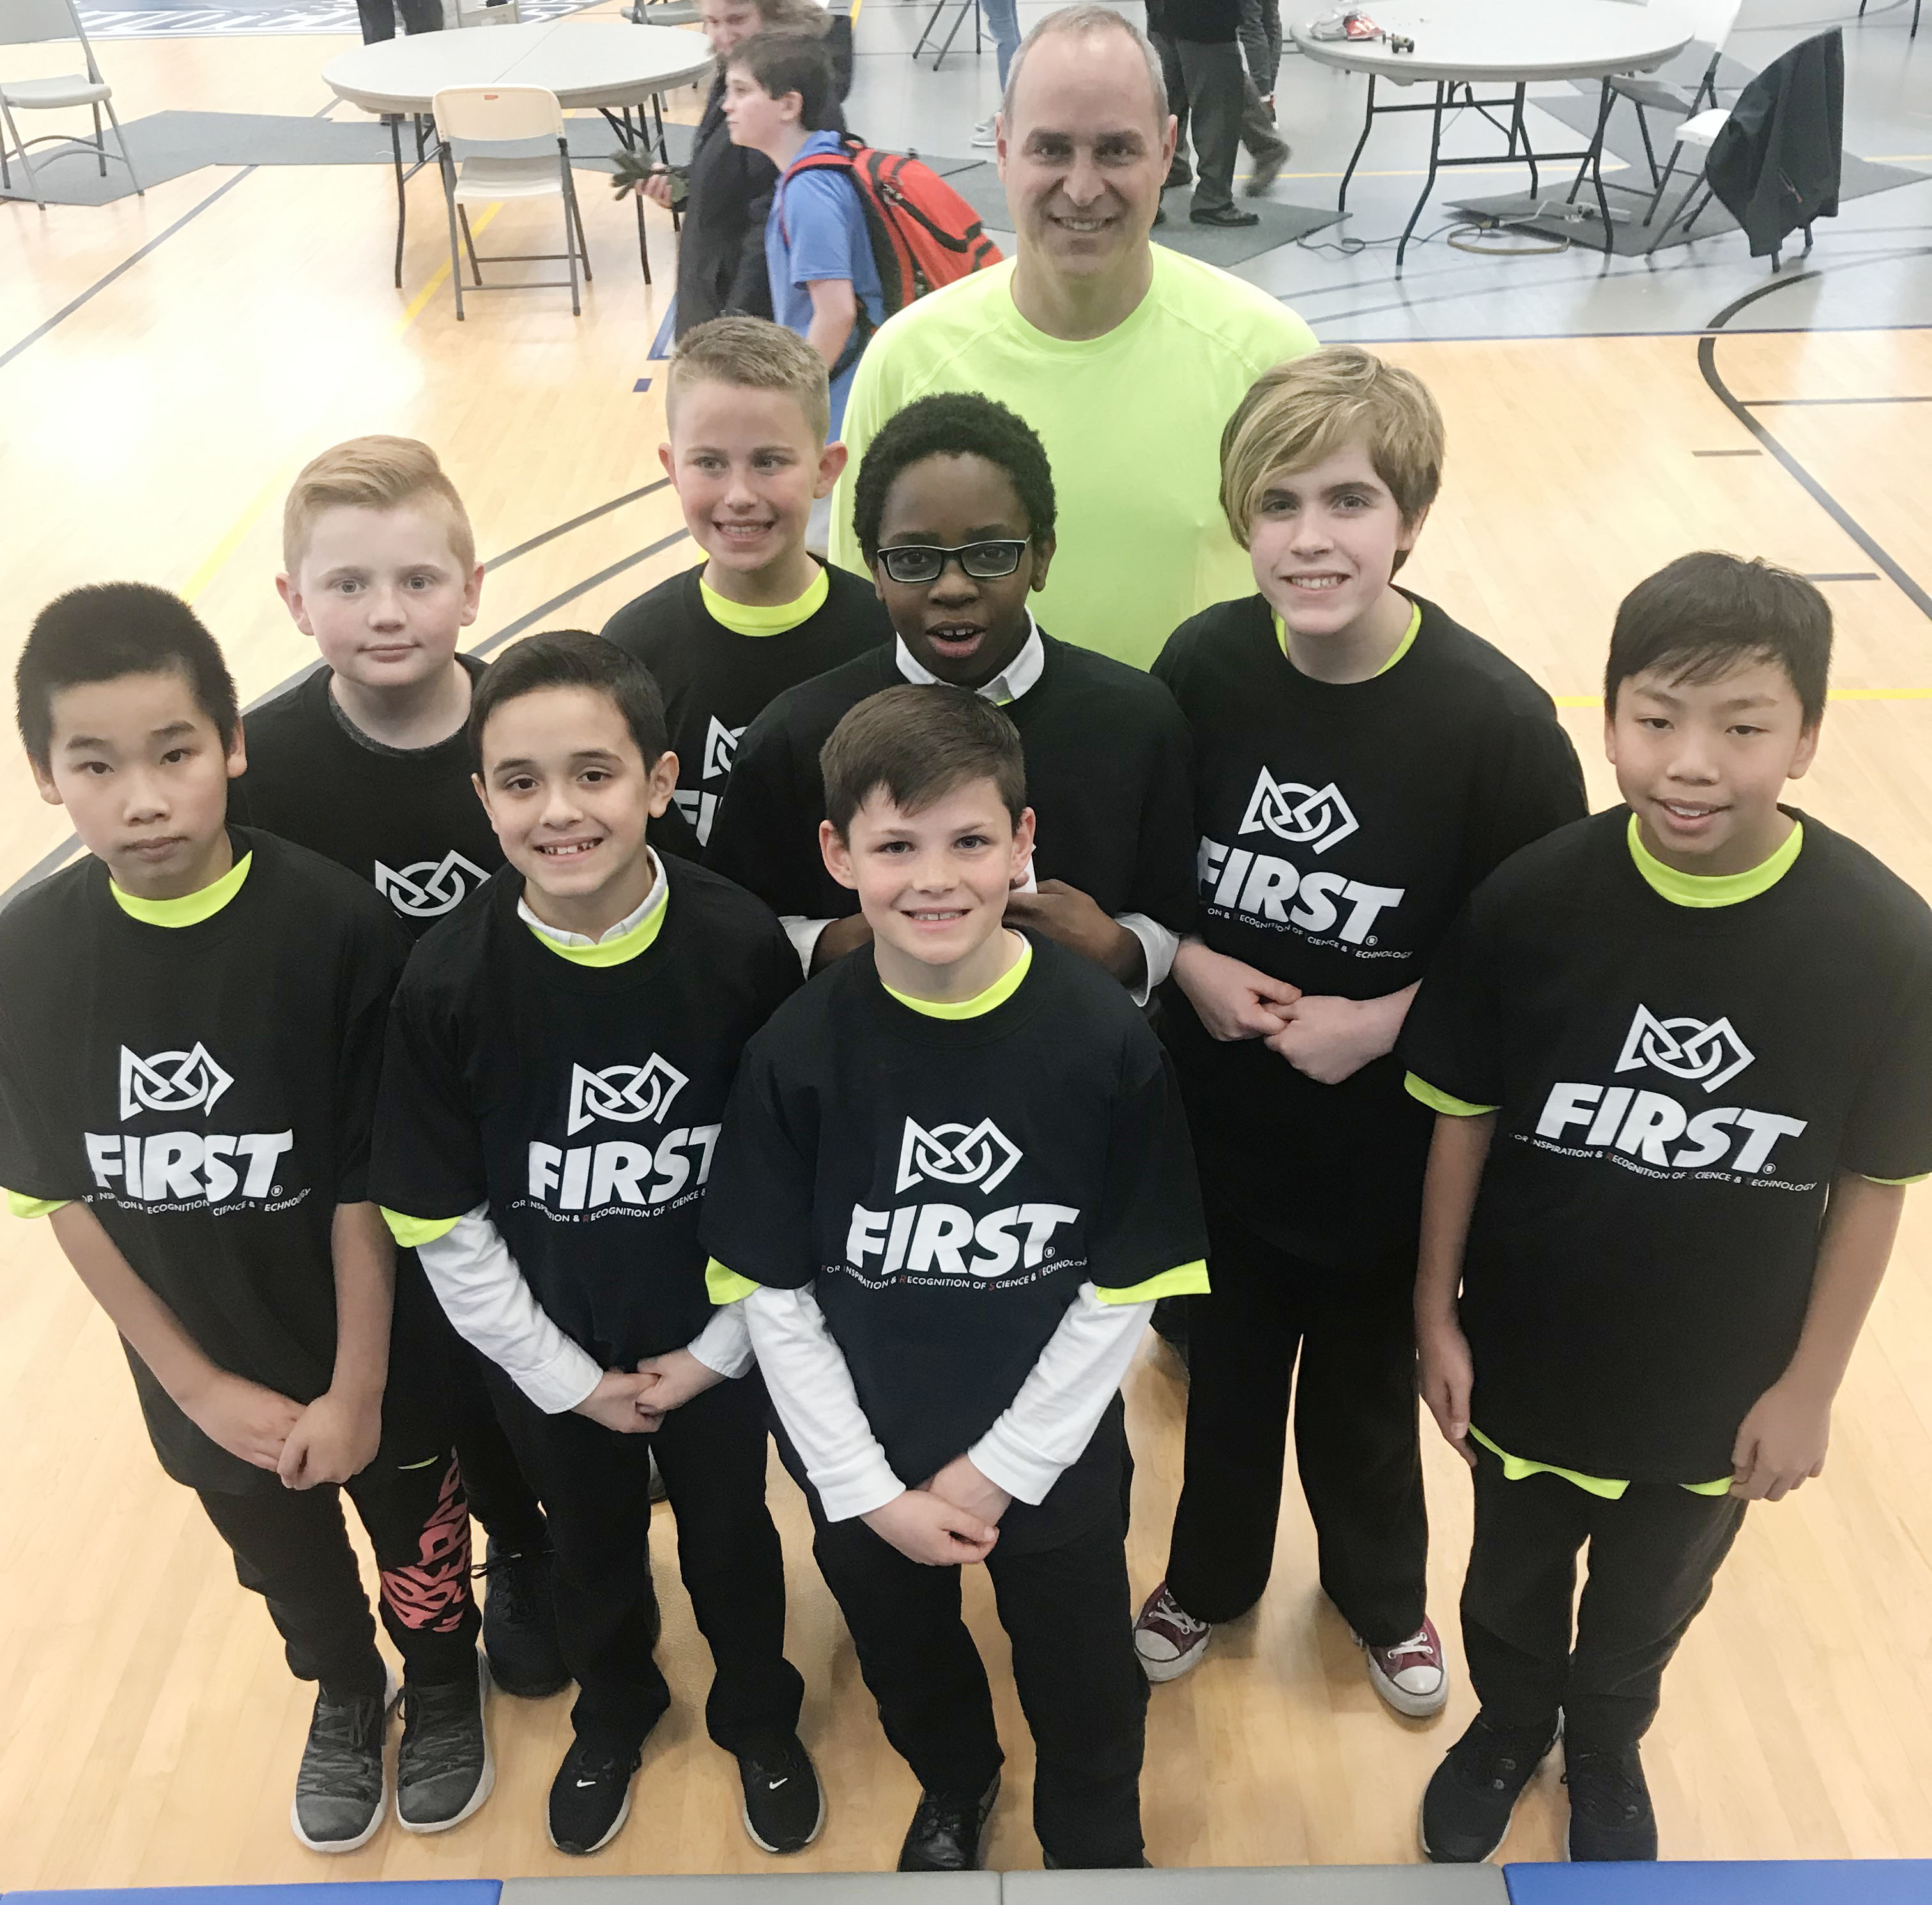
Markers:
(627, 945)
(1714, 889)
(191, 908)
(1401, 647)
(742, 618)
(1002, 989)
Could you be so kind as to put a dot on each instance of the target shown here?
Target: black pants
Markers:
(596, 1489)
(379, 17)
(291, 1547)
(1205, 82)
(1066, 1609)
(1356, 1442)
(499, 1496)
(1653, 1556)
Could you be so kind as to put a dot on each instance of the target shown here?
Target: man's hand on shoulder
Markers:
(926, 1527)
(1780, 1443)
(334, 1437)
(963, 1485)
(1232, 999)
(251, 1422)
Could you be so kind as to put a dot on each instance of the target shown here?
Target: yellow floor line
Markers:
(1836, 695)
(276, 485)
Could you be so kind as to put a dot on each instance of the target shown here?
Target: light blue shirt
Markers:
(816, 229)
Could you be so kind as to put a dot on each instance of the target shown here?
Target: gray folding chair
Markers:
(25, 23)
(485, 114)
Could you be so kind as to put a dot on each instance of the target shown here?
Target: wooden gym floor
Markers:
(165, 367)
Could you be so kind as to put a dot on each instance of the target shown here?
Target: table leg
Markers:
(1429, 184)
(926, 32)
(1368, 123)
(402, 200)
(1594, 165)
(970, 7)
(1522, 132)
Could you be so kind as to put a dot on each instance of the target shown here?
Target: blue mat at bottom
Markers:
(372, 1891)
(1766, 1882)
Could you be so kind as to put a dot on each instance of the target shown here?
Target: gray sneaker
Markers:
(340, 1787)
(443, 1769)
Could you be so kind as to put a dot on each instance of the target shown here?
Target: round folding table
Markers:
(1460, 44)
(597, 64)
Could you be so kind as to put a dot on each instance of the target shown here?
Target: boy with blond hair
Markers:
(364, 760)
(1360, 763)
(747, 411)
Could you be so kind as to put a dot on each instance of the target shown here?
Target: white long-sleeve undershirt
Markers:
(1041, 1432)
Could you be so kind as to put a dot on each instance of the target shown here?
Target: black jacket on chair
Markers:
(721, 253)
(1775, 165)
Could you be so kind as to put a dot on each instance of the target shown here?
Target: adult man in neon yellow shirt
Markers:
(1125, 357)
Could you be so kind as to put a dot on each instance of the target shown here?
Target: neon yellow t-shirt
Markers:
(1132, 422)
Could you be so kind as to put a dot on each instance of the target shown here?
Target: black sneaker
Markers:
(948, 1831)
(590, 1798)
(340, 1787)
(784, 1804)
(443, 1769)
(1466, 1812)
(1610, 1815)
(520, 1623)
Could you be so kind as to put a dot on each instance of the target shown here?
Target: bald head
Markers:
(1099, 38)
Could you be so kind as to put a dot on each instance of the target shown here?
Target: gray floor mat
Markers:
(166, 145)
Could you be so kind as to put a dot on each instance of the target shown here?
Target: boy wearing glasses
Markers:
(954, 510)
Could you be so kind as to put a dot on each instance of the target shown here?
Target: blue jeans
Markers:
(1003, 19)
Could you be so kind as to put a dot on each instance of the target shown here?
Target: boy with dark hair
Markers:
(746, 410)
(558, 1059)
(1361, 761)
(1679, 1055)
(953, 1179)
(364, 760)
(781, 99)
(190, 1023)
(955, 508)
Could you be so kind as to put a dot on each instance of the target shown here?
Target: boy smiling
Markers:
(558, 1063)
(956, 509)
(1679, 1055)
(1361, 761)
(953, 1179)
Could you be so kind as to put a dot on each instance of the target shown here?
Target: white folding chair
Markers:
(1696, 67)
(27, 22)
(495, 115)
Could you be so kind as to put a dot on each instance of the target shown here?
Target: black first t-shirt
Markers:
(947, 1185)
(582, 1103)
(1341, 827)
(207, 1091)
(1107, 776)
(716, 682)
(408, 821)
(1678, 1088)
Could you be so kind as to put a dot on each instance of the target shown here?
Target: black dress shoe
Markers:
(1229, 216)
(948, 1830)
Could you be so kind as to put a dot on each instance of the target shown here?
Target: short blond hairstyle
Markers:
(1308, 408)
(372, 472)
(751, 353)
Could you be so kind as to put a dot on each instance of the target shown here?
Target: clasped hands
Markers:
(951, 1519)
(635, 1402)
(1326, 1038)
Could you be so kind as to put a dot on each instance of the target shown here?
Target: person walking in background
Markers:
(1201, 62)
(725, 191)
(1003, 16)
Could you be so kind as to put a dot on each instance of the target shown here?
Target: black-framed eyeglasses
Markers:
(913, 562)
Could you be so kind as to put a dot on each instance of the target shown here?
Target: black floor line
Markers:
(1707, 362)
(1848, 575)
(575, 523)
(1820, 402)
(128, 263)
(543, 610)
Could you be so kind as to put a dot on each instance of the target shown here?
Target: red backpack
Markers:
(923, 233)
